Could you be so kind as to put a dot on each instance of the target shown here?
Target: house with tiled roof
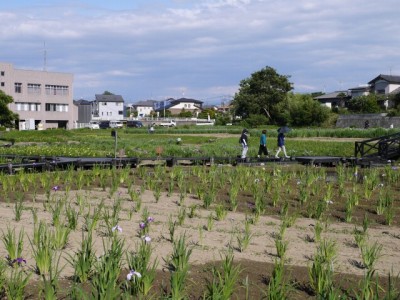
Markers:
(384, 84)
(175, 106)
(381, 85)
(334, 99)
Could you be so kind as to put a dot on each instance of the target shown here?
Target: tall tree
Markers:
(261, 93)
(7, 117)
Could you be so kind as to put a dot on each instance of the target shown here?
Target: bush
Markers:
(254, 120)
(222, 120)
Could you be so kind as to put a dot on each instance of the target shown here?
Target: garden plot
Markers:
(162, 228)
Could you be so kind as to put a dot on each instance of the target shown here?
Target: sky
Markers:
(201, 49)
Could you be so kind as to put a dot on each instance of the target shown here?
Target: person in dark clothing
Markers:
(263, 144)
(244, 142)
(281, 145)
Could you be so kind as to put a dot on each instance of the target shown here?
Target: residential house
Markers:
(175, 106)
(42, 99)
(143, 108)
(385, 85)
(335, 99)
(380, 85)
(224, 108)
(362, 90)
(108, 107)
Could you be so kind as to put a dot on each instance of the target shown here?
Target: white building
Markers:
(144, 108)
(108, 107)
(41, 99)
(175, 106)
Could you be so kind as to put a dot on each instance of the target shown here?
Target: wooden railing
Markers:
(387, 146)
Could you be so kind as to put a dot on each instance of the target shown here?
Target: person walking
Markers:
(263, 144)
(244, 142)
(281, 145)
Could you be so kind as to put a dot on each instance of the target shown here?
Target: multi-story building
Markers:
(108, 107)
(41, 99)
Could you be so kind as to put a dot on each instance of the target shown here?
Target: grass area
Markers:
(195, 141)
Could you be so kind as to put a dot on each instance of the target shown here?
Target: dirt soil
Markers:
(256, 261)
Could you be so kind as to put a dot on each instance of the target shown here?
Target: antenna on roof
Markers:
(44, 57)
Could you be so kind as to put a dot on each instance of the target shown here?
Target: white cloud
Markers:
(205, 46)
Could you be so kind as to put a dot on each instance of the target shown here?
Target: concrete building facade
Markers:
(41, 99)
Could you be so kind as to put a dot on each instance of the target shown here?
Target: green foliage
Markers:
(223, 282)
(222, 119)
(261, 93)
(13, 244)
(7, 117)
(185, 114)
(305, 111)
(364, 104)
(254, 120)
(84, 259)
(207, 112)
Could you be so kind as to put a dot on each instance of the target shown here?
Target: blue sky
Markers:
(156, 49)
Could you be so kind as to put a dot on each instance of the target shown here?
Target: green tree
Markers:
(185, 113)
(207, 112)
(305, 111)
(261, 94)
(7, 117)
(364, 104)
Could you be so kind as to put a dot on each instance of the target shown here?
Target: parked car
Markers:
(116, 124)
(171, 123)
(93, 125)
(104, 124)
(134, 123)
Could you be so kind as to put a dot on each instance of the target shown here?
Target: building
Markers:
(362, 90)
(175, 106)
(108, 107)
(384, 84)
(334, 99)
(42, 99)
(143, 108)
(84, 109)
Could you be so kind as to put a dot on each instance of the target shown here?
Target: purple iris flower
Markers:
(150, 219)
(142, 225)
(55, 188)
(19, 260)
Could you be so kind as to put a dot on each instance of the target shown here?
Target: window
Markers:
(2, 73)
(120, 112)
(18, 87)
(103, 103)
(33, 88)
(27, 106)
(59, 90)
(56, 107)
(2, 83)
